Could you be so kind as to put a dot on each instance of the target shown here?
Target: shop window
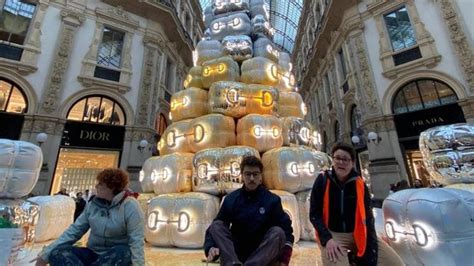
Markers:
(422, 94)
(12, 99)
(15, 20)
(110, 55)
(400, 29)
(97, 109)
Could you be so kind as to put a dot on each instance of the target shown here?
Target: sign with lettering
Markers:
(412, 124)
(79, 134)
(11, 125)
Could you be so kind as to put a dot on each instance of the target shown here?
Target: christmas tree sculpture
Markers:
(239, 99)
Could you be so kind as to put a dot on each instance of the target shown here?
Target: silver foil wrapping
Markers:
(448, 153)
(226, 6)
(189, 103)
(194, 78)
(208, 50)
(220, 69)
(296, 131)
(180, 220)
(262, 132)
(233, 24)
(175, 138)
(239, 47)
(20, 166)
(292, 169)
(217, 171)
(431, 226)
(262, 27)
(211, 131)
(239, 99)
(172, 173)
(56, 215)
(266, 48)
(144, 176)
(290, 206)
(308, 232)
(260, 7)
(259, 70)
(291, 104)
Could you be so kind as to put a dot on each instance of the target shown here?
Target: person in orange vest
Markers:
(341, 213)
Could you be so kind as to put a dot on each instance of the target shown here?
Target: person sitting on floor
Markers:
(261, 231)
(116, 224)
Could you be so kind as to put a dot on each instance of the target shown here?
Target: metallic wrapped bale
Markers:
(260, 7)
(56, 214)
(175, 138)
(287, 81)
(194, 78)
(226, 6)
(448, 153)
(284, 61)
(233, 24)
(308, 232)
(264, 47)
(262, 27)
(208, 16)
(239, 99)
(143, 199)
(208, 50)
(189, 103)
(217, 171)
(180, 220)
(221, 69)
(18, 219)
(296, 131)
(211, 131)
(259, 70)
(291, 104)
(290, 206)
(239, 47)
(291, 169)
(20, 166)
(145, 174)
(468, 187)
(262, 132)
(172, 173)
(431, 226)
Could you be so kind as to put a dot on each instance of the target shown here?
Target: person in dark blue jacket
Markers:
(251, 226)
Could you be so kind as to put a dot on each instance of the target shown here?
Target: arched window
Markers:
(161, 124)
(355, 118)
(97, 109)
(422, 94)
(337, 131)
(12, 98)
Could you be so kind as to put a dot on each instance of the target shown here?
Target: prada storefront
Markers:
(92, 140)
(13, 105)
(417, 106)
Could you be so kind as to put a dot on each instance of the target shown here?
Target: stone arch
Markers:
(71, 100)
(455, 85)
(25, 86)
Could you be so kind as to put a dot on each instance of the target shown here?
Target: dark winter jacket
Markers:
(251, 215)
(342, 208)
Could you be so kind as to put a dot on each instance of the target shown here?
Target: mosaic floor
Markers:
(304, 254)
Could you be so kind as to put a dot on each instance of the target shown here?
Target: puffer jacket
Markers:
(120, 222)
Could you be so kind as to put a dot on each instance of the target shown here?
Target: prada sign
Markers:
(412, 124)
(11, 125)
(79, 134)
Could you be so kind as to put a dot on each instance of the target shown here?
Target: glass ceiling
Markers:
(284, 16)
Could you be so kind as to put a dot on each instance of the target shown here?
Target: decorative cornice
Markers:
(117, 15)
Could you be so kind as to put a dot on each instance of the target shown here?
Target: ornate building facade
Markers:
(379, 72)
(91, 81)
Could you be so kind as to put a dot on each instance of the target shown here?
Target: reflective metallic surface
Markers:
(239, 47)
(448, 153)
(431, 226)
(145, 174)
(259, 70)
(225, 6)
(296, 131)
(211, 131)
(180, 220)
(307, 230)
(262, 132)
(220, 69)
(266, 48)
(194, 78)
(56, 214)
(20, 166)
(171, 173)
(232, 24)
(239, 99)
(208, 50)
(260, 7)
(217, 171)
(291, 104)
(262, 27)
(175, 138)
(189, 103)
(290, 206)
(292, 169)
